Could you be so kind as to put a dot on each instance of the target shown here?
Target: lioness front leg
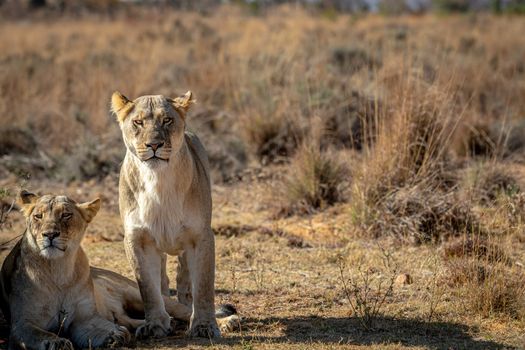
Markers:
(201, 263)
(26, 335)
(146, 260)
(165, 281)
(183, 281)
(97, 332)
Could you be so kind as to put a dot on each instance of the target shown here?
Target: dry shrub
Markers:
(272, 138)
(404, 180)
(421, 214)
(271, 120)
(476, 246)
(475, 140)
(7, 205)
(513, 208)
(368, 289)
(502, 291)
(491, 286)
(486, 183)
(90, 159)
(514, 138)
(16, 140)
(225, 148)
(352, 123)
(485, 275)
(491, 139)
(351, 59)
(412, 140)
(496, 190)
(316, 178)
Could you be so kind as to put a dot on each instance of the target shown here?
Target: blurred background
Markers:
(353, 6)
(262, 71)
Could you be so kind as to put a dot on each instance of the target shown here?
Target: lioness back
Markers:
(9, 266)
(199, 153)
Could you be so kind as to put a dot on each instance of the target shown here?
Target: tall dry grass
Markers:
(408, 98)
(272, 76)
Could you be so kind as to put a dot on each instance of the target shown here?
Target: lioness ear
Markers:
(26, 200)
(120, 105)
(89, 209)
(183, 103)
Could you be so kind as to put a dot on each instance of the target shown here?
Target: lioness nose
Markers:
(155, 146)
(51, 234)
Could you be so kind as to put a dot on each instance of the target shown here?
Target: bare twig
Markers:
(365, 299)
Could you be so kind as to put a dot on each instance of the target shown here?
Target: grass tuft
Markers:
(316, 178)
(486, 277)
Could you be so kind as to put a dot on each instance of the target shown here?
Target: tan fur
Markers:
(165, 205)
(120, 104)
(183, 103)
(46, 287)
(48, 290)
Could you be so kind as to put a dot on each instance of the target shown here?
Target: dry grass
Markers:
(486, 277)
(368, 290)
(486, 183)
(316, 178)
(418, 215)
(425, 113)
(405, 186)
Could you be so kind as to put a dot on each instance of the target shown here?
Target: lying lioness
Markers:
(51, 296)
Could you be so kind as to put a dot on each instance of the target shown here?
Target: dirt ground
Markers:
(285, 277)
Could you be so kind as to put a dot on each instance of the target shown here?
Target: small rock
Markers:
(403, 279)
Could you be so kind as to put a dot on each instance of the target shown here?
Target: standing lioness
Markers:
(165, 205)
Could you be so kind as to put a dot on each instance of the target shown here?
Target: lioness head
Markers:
(152, 126)
(55, 224)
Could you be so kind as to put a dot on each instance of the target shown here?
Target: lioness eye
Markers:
(137, 122)
(66, 216)
(167, 121)
(37, 216)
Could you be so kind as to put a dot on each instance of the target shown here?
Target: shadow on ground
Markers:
(328, 330)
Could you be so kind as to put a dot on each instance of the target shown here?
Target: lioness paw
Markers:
(56, 344)
(204, 330)
(152, 330)
(118, 337)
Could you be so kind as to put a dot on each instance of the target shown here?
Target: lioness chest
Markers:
(56, 314)
(52, 306)
(160, 211)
